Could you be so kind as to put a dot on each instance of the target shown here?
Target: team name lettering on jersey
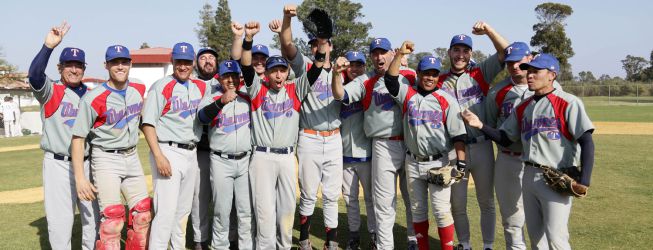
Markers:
(348, 110)
(322, 90)
(473, 94)
(230, 124)
(550, 125)
(68, 110)
(272, 110)
(506, 109)
(120, 118)
(384, 100)
(418, 117)
(184, 107)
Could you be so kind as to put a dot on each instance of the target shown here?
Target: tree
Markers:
(301, 44)
(635, 67)
(478, 56)
(215, 29)
(605, 77)
(7, 70)
(586, 76)
(550, 36)
(444, 56)
(145, 45)
(414, 58)
(349, 31)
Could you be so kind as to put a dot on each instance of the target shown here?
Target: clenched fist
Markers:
(481, 28)
(341, 64)
(275, 26)
(406, 48)
(251, 28)
(290, 10)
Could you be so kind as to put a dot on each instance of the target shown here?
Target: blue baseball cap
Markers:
(261, 49)
(229, 66)
(429, 62)
(72, 54)
(461, 39)
(274, 61)
(206, 50)
(543, 61)
(116, 51)
(380, 43)
(516, 51)
(355, 56)
(183, 51)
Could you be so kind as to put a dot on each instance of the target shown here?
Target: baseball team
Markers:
(226, 140)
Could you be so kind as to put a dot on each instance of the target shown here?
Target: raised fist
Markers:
(290, 10)
(228, 96)
(481, 28)
(341, 64)
(406, 48)
(251, 28)
(275, 26)
(237, 29)
(56, 34)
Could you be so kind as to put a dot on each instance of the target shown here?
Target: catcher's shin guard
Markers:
(138, 226)
(113, 218)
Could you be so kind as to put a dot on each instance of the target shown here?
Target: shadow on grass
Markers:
(42, 225)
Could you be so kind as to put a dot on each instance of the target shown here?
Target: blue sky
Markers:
(602, 32)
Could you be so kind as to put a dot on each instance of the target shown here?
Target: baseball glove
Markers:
(444, 176)
(319, 24)
(563, 183)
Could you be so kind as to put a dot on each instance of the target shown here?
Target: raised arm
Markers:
(288, 49)
(52, 40)
(336, 85)
(500, 43)
(251, 29)
(237, 44)
(392, 75)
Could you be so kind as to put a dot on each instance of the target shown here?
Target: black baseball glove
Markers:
(319, 24)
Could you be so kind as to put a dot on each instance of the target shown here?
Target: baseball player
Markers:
(275, 122)
(382, 123)
(207, 69)
(172, 133)
(432, 128)
(9, 116)
(59, 101)
(469, 85)
(319, 149)
(260, 52)
(357, 153)
(109, 115)
(226, 109)
(553, 127)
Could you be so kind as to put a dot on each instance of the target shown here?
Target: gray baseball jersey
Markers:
(471, 88)
(112, 116)
(229, 132)
(501, 102)
(59, 107)
(171, 106)
(382, 115)
(429, 121)
(319, 110)
(275, 114)
(549, 128)
(354, 141)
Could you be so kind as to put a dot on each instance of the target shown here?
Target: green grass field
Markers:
(616, 214)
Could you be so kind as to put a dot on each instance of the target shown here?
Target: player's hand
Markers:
(56, 34)
(275, 26)
(237, 29)
(481, 28)
(290, 10)
(228, 97)
(406, 48)
(163, 166)
(471, 119)
(85, 190)
(251, 28)
(341, 64)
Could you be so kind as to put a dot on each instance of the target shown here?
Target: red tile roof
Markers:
(152, 55)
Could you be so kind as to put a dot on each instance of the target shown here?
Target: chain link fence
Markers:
(621, 94)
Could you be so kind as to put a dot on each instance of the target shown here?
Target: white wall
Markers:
(150, 73)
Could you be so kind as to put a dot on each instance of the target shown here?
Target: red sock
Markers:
(446, 237)
(422, 234)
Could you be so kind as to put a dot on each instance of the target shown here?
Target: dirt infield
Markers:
(30, 195)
